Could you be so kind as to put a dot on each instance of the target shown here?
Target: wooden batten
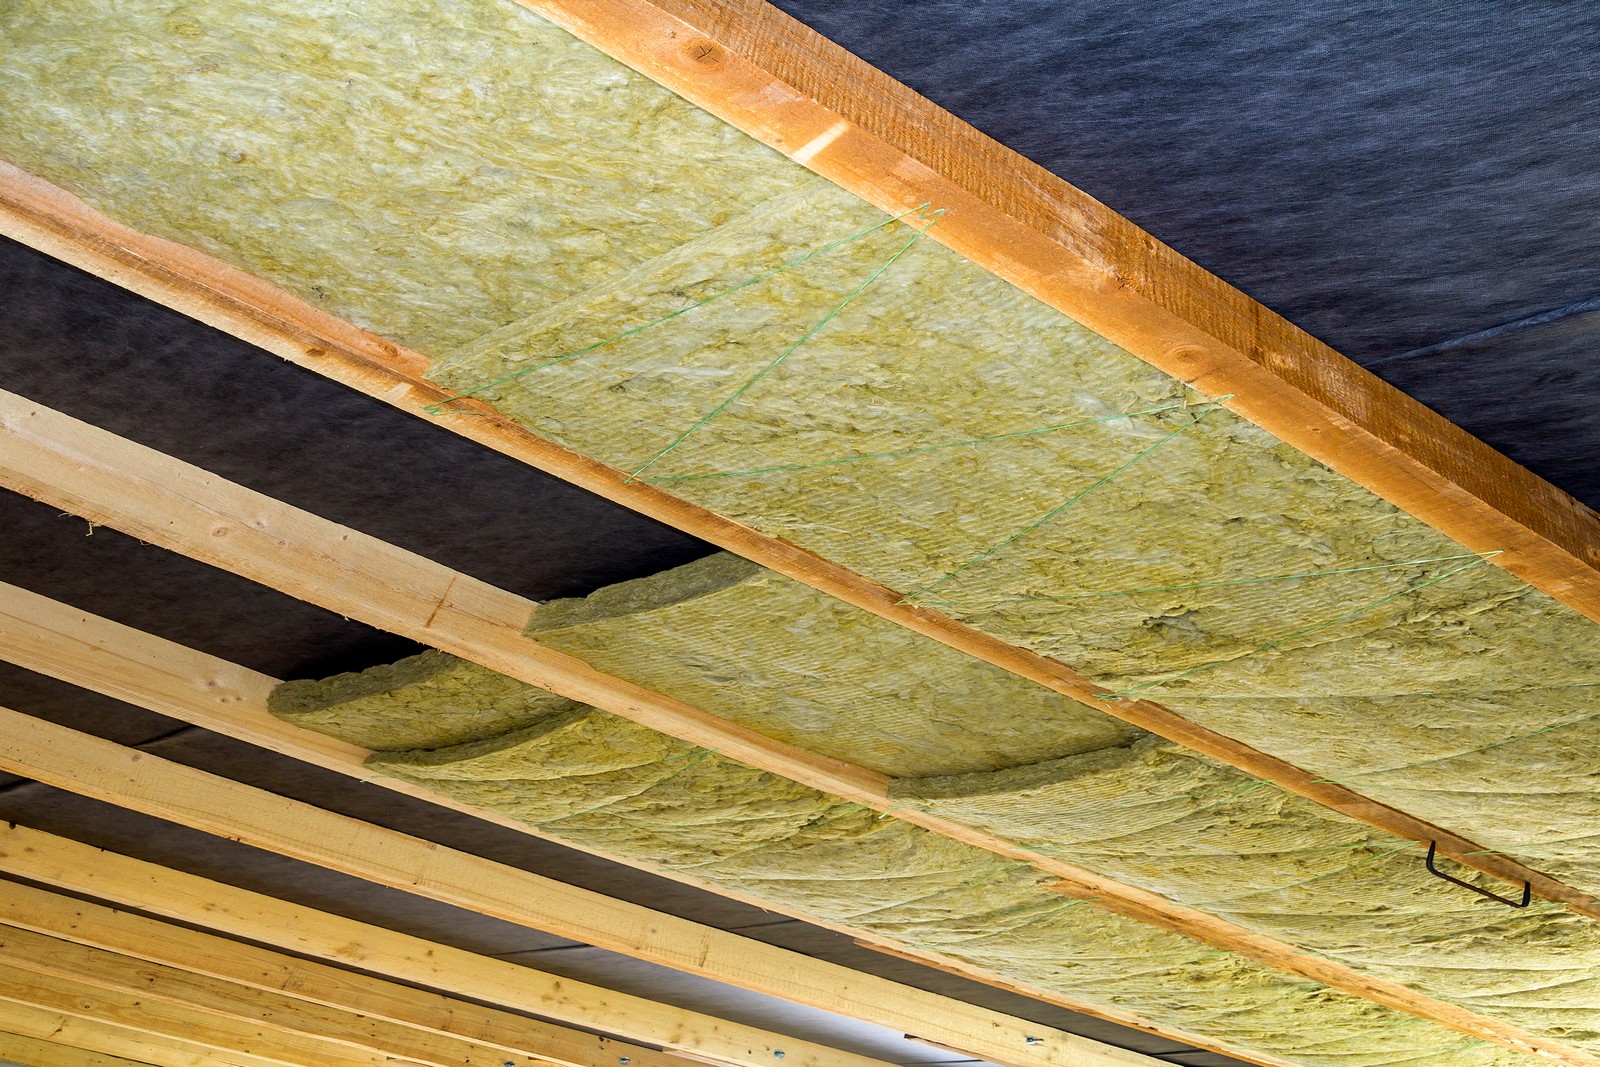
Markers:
(160, 1022)
(37, 1053)
(66, 1034)
(776, 79)
(437, 1029)
(133, 883)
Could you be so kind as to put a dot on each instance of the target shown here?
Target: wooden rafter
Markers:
(72, 1033)
(37, 1053)
(240, 913)
(436, 1029)
(328, 1032)
(99, 654)
(161, 1021)
(53, 221)
(105, 771)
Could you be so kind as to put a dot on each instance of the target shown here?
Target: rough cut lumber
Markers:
(161, 1022)
(157, 498)
(36, 1053)
(275, 1012)
(92, 1037)
(111, 773)
(63, 642)
(487, 1035)
(47, 218)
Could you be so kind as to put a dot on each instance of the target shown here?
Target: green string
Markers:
(918, 448)
(1355, 613)
(912, 596)
(921, 213)
(1208, 585)
(438, 408)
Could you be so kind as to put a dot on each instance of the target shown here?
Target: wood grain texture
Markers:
(473, 1033)
(93, 1037)
(37, 1053)
(53, 221)
(157, 498)
(340, 1027)
(161, 1021)
(116, 775)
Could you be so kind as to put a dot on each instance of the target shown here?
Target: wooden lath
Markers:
(46, 933)
(160, 1021)
(617, 926)
(65, 1034)
(108, 772)
(38, 1053)
(160, 499)
(53, 221)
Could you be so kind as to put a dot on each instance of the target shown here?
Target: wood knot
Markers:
(703, 52)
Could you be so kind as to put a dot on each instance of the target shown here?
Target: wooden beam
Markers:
(160, 499)
(47, 218)
(475, 1033)
(277, 1013)
(111, 773)
(92, 1036)
(36, 1053)
(162, 1022)
(52, 638)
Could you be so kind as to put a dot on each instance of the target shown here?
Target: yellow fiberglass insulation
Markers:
(600, 782)
(722, 634)
(469, 180)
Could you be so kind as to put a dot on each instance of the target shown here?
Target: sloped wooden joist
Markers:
(240, 913)
(176, 983)
(167, 502)
(467, 1032)
(161, 1022)
(183, 508)
(65, 1035)
(37, 1053)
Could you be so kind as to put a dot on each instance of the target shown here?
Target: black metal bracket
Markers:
(1527, 887)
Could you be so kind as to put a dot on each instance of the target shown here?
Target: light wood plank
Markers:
(47, 218)
(340, 1028)
(160, 499)
(36, 1053)
(163, 1022)
(90, 1035)
(487, 1035)
(105, 771)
